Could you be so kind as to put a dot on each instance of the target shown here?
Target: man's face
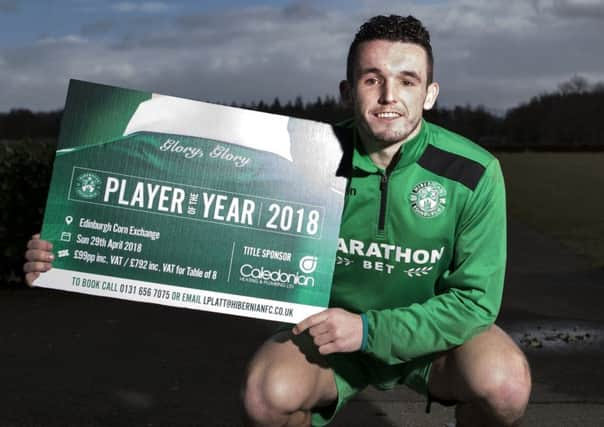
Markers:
(389, 91)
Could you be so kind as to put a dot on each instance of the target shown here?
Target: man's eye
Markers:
(407, 83)
(371, 81)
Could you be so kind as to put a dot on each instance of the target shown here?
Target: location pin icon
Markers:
(68, 219)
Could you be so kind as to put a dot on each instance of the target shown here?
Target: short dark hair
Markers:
(393, 28)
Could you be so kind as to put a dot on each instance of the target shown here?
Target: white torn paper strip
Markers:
(178, 116)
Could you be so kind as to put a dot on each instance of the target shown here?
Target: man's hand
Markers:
(38, 258)
(333, 330)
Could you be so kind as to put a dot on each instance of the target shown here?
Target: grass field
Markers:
(561, 194)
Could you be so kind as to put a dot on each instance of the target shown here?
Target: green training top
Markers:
(422, 245)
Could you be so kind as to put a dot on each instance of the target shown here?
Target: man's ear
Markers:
(346, 93)
(431, 95)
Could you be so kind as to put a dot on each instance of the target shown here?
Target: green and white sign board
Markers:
(178, 202)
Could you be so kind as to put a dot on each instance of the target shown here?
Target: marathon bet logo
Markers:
(88, 185)
(428, 199)
(385, 257)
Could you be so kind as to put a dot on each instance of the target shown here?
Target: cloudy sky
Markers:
(487, 52)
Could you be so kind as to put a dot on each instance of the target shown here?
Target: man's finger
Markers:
(323, 339)
(309, 322)
(30, 277)
(33, 267)
(39, 255)
(318, 329)
(328, 348)
(39, 244)
(304, 325)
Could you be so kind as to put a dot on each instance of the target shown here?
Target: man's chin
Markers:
(383, 137)
(388, 138)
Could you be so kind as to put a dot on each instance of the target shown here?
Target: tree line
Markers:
(568, 118)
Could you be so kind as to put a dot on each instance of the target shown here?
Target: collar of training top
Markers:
(410, 151)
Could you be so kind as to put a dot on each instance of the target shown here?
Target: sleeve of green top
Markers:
(468, 295)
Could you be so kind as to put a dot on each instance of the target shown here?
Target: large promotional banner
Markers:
(178, 202)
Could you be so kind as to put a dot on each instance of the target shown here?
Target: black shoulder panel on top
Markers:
(452, 166)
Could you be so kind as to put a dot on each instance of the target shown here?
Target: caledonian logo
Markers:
(88, 185)
(308, 264)
(428, 199)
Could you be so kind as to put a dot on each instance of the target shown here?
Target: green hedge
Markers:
(25, 170)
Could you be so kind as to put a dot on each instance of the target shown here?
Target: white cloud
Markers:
(146, 7)
(67, 39)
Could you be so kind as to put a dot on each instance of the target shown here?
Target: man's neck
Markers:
(382, 155)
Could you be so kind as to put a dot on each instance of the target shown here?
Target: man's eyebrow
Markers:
(372, 70)
(406, 73)
(411, 74)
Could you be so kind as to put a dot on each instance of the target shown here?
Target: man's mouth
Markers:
(388, 115)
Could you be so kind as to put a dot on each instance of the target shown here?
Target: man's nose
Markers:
(387, 94)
